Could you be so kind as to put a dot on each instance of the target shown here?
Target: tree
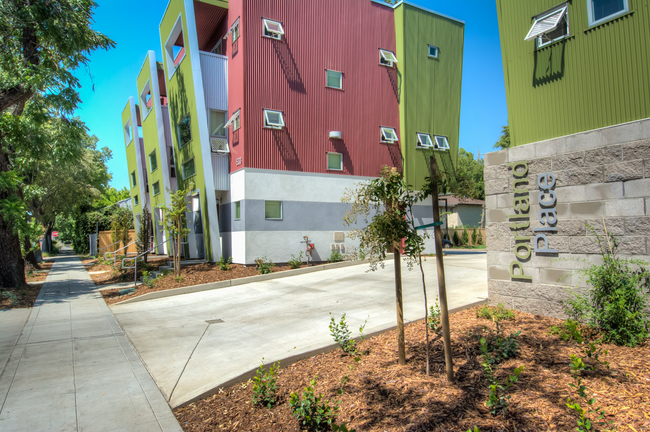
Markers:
(175, 223)
(144, 234)
(42, 42)
(469, 176)
(111, 196)
(504, 139)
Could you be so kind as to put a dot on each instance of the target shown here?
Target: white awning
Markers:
(232, 28)
(424, 140)
(388, 134)
(442, 143)
(273, 27)
(546, 24)
(389, 56)
(234, 117)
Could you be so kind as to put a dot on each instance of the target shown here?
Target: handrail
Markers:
(115, 252)
(106, 247)
(135, 261)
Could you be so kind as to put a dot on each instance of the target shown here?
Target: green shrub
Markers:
(496, 313)
(342, 334)
(264, 265)
(498, 397)
(265, 385)
(475, 236)
(500, 346)
(335, 256)
(225, 265)
(147, 279)
(567, 331)
(294, 262)
(456, 239)
(179, 278)
(434, 316)
(616, 301)
(313, 413)
(465, 236)
(12, 297)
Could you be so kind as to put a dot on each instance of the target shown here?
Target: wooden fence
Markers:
(105, 240)
(481, 232)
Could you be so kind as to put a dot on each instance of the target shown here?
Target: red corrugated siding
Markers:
(289, 75)
(235, 53)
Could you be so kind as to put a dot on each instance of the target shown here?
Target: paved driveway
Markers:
(190, 352)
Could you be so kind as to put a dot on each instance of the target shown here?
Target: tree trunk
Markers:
(12, 265)
(30, 257)
(401, 346)
(47, 239)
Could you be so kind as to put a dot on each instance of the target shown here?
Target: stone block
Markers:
(631, 245)
(621, 133)
(504, 200)
(583, 141)
(625, 207)
(490, 172)
(570, 194)
(587, 210)
(521, 153)
(645, 129)
(580, 176)
(604, 155)
(496, 299)
(505, 258)
(546, 148)
(491, 201)
(563, 211)
(568, 161)
(636, 150)
(539, 307)
(637, 188)
(498, 186)
(623, 171)
(498, 244)
(568, 227)
(584, 245)
(555, 277)
(496, 158)
(615, 226)
(498, 273)
(496, 230)
(538, 166)
(497, 215)
(555, 241)
(492, 258)
(604, 191)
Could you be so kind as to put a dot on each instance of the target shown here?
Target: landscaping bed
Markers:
(380, 395)
(115, 275)
(24, 297)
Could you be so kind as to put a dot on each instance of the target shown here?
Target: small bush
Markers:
(500, 346)
(264, 265)
(147, 280)
(456, 239)
(12, 297)
(342, 334)
(567, 331)
(434, 316)
(225, 265)
(265, 385)
(465, 236)
(496, 313)
(335, 256)
(179, 278)
(313, 413)
(498, 397)
(294, 262)
(475, 236)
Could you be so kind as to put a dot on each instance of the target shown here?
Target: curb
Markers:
(311, 353)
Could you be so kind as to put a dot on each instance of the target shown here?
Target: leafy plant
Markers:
(434, 316)
(498, 397)
(264, 265)
(616, 303)
(584, 423)
(175, 223)
(30, 273)
(179, 278)
(313, 413)
(495, 313)
(567, 331)
(335, 256)
(294, 262)
(147, 280)
(265, 385)
(501, 347)
(12, 297)
(225, 265)
(474, 430)
(465, 236)
(143, 242)
(454, 238)
(342, 334)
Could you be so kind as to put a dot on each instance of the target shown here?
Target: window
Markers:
(175, 48)
(603, 10)
(217, 122)
(237, 210)
(140, 132)
(153, 162)
(133, 180)
(424, 140)
(234, 121)
(135, 200)
(156, 188)
(334, 79)
(388, 135)
(335, 161)
(433, 51)
(128, 132)
(549, 26)
(272, 29)
(273, 209)
(387, 58)
(217, 48)
(441, 143)
(189, 169)
(184, 132)
(145, 100)
(273, 119)
(234, 31)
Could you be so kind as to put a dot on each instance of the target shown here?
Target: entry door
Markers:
(195, 240)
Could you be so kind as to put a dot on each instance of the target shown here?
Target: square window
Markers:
(128, 132)
(273, 119)
(273, 209)
(133, 179)
(135, 200)
(387, 58)
(388, 135)
(237, 210)
(217, 123)
(153, 162)
(189, 169)
(145, 100)
(234, 121)
(156, 188)
(184, 132)
(272, 29)
(603, 10)
(335, 161)
(175, 47)
(549, 26)
(441, 143)
(433, 51)
(334, 79)
(424, 140)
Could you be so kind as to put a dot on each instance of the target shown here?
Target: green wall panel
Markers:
(131, 158)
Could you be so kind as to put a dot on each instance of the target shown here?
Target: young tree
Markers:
(144, 234)
(175, 223)
(42, 42)
(126, 224)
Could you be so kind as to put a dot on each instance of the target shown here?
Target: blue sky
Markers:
(133, 25)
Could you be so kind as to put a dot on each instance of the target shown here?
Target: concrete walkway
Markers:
(71, 367)
(194, 343)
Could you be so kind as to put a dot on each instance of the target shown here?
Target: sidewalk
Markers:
(71, 368)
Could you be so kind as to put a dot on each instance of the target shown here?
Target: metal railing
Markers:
(106, 247)
(135, 260)
(115, 252)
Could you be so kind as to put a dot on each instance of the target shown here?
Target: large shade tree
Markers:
(43, 42)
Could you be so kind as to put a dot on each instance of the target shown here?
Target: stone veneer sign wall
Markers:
(541, 199)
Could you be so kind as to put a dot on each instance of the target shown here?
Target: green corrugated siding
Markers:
(131, 159)
(594, 78)
(430, 89)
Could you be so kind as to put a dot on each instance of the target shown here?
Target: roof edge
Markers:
(406, 2)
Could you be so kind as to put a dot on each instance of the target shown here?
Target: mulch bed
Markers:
(192, 275)
(384, 396)
(113, 275)
(26, 295)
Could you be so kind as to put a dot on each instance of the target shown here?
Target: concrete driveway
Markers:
(195, 343)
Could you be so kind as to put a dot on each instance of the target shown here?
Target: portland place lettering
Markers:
(520, 219)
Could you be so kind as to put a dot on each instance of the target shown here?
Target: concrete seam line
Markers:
(171, 394)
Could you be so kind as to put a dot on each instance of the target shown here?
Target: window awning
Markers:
(273, 119)
(232, 28)
(546, 24)
(424, 140)
(273, 27)
(442, 143)
(388, 134)
(388, 56)
(234, 117)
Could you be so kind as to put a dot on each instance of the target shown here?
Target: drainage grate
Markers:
(214, 321)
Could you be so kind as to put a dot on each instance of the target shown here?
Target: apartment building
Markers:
(272, 109)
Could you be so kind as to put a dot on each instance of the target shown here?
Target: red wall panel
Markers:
(289, 75)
